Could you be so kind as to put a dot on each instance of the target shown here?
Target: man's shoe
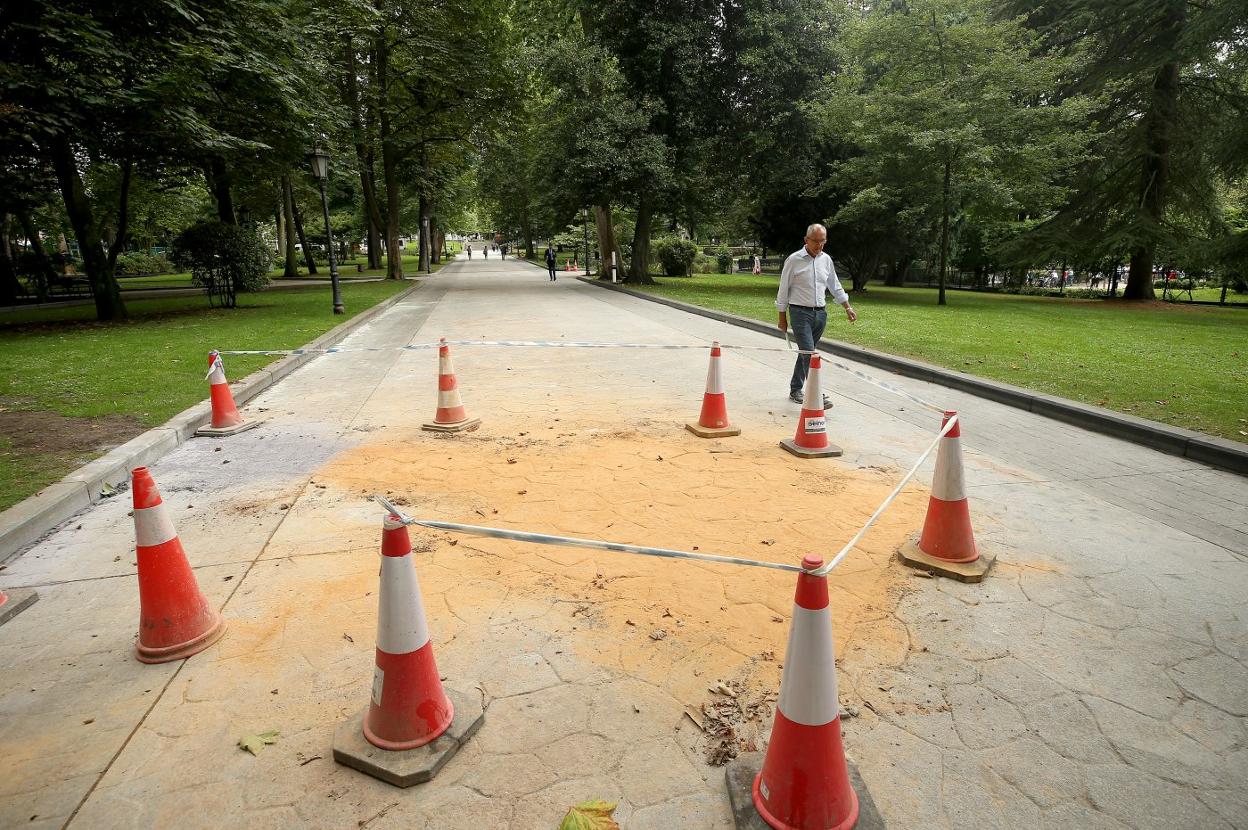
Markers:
(827, 402)
(796, 397)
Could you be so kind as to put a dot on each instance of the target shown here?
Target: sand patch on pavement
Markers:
(686, 627)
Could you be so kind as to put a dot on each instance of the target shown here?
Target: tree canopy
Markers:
(990, 136)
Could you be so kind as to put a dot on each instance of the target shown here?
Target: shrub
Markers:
(723, 258)
(703, 264)
(224, 259)
(676, 255)
(142, 263)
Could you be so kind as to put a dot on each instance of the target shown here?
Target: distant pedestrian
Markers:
(468, 248)
(485, 250)
(758, 266)
(808, 275)
(503, 251)
(550, 263)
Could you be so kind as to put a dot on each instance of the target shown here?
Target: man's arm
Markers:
(838, 292)
(782, 294)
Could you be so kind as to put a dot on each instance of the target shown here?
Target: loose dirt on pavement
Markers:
(712, 636)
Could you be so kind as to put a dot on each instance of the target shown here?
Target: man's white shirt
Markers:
(804, 279)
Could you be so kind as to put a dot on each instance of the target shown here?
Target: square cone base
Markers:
(741, 773)
(910, 555)
(830, 451)
(226, 432)
(712, 432)
(457, 426)
(19, 600)
(410, 766)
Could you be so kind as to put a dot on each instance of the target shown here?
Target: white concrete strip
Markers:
(808, 685)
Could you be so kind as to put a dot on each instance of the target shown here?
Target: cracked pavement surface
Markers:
(1096, 679)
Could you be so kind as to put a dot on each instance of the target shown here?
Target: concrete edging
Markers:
(1206, 449)
(28, 520)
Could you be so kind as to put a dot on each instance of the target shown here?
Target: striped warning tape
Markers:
(557, 344)
(668, 553)
(576, 344)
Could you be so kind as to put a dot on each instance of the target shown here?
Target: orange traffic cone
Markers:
(412, 726)
(175, 620)
(811, 440)
(226, 419)
(409, 707)
(947, 544)
(713, 420)
(450, 415)
(804, 783)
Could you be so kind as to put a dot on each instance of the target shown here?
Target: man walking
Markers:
(807, 276)
(550, 262)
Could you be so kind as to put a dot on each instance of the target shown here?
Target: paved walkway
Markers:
(1098, 678)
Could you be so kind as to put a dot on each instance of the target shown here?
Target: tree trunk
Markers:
(363, 153)
(279, 223)
(426, 222)
(219, 181)
(604, 226)
(898, 269)
(436, 237)
(303, 238)
(640, 270)
(10, 288)
(108, 302)
(46, 272)
(1155, 174)
(374, 244)
(389, 157)
(944, 233)
(291, 264)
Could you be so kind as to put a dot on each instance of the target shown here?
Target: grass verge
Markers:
(1181, 365)
(71, 387)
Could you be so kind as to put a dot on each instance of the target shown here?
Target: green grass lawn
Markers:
(1182, 365)
(79, 374)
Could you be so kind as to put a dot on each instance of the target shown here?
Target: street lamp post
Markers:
(320, 171)
(585, 219)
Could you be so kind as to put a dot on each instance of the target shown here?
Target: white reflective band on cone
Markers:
(217, 375)
(948, 481)
(152, 526)
(401, 627)
(714, 380)
(448, 398)
(808, 685)
(813, 397)
(444, 365)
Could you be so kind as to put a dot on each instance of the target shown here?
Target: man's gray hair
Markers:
(811, 229)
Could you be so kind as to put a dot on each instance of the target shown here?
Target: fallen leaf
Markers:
(255, 743)
(590, 815)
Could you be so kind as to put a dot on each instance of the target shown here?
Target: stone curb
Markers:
(28, 520)
(1206, 449)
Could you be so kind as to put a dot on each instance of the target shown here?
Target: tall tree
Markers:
(948, 117)
(1169, 75)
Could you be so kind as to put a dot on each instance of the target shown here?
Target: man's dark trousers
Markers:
(808, 325)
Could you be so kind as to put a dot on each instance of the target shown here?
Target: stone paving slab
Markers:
(1096, 679)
